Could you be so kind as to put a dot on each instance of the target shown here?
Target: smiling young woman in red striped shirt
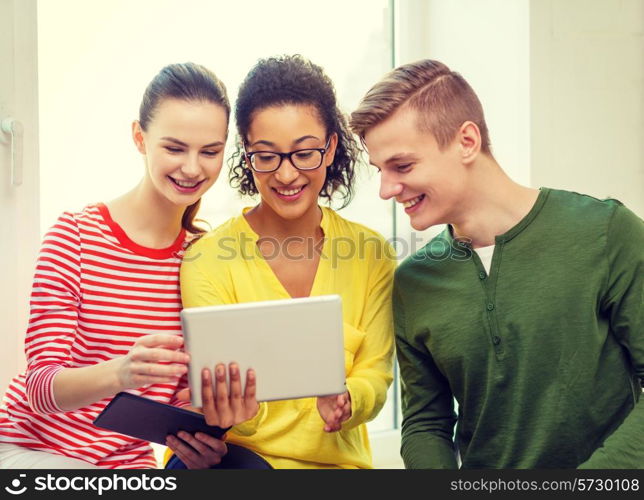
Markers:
(105, 300)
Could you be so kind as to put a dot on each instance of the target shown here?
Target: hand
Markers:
(334, 410)
(223, 410)
(203, 451)
(153, 359)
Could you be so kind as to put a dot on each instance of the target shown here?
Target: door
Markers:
(19, 189)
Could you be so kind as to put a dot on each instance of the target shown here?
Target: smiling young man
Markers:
(539, 335)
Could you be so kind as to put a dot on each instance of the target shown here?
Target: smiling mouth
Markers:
(290, 192)
(186, 184)
(414, 201)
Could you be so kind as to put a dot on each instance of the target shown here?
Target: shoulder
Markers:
(232, 228)
(625, 237)
(352, 239)
(573, 204)
(62, 244)
(343, 228)
(220, 248)
(583, 218)
(72, 224)
(625, 222)
(429, 256)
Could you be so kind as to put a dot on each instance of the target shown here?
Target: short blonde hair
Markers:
(442, 98)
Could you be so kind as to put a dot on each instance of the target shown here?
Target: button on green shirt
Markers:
(545, 356)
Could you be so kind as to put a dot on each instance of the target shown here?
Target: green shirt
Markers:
(545, 356)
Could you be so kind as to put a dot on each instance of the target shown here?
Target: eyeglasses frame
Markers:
(288, 155)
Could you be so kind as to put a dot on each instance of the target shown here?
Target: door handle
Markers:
(15, 129)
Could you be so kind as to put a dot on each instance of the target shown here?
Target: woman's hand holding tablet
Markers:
(200, 451)
(222, 409)
(334, 410)
(153, 359)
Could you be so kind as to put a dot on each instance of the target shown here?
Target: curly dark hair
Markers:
(294, 80)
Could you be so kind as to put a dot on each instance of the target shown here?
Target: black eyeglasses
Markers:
(302, 159)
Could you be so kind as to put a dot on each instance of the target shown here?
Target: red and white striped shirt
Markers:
(95, 292)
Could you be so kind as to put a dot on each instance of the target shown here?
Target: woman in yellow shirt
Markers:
(296, 148)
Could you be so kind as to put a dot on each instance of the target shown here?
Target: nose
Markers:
(287, 173)
(191, 167)
(389, 188)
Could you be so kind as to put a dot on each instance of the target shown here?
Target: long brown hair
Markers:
(188, 219)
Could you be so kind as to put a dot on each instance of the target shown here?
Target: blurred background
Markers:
(561, 83)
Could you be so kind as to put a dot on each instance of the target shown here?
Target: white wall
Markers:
(19, 235)
(561, 83)
(97, 57)
(587, 71)
(487, 41)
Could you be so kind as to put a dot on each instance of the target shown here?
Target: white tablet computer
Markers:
(295, 346)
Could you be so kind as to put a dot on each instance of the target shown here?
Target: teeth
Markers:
(413, 202)
(290, 192)
(185, 184)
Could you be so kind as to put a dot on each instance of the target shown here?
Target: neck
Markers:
(494, 204)
(265, 221)
(147, 217)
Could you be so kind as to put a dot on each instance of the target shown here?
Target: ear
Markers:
(329, 156)
(137, 136)
(469, 138)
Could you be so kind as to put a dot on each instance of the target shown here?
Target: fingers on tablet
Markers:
(251, 386)
(223, 405)
(207, 399)
(228, 404)
(161, 339)
(236, 402)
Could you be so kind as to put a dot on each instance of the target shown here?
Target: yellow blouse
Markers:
(226, 267)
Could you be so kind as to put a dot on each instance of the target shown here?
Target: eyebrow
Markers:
(181, 143)
(272, 144)
(398, 157)
(395, 158)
